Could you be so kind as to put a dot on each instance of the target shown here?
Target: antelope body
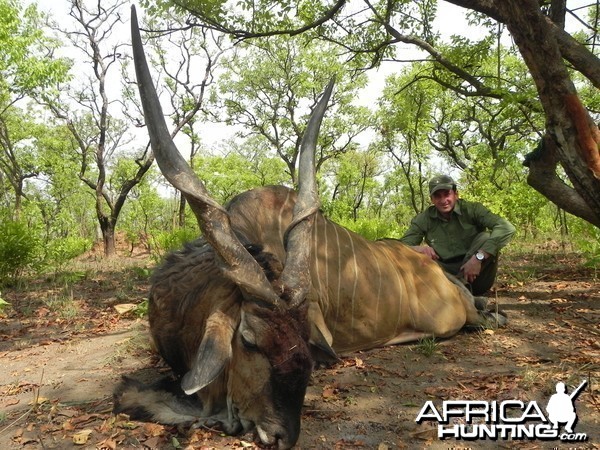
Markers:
(242, 313)
(363, 294)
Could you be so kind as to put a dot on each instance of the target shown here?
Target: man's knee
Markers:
(478, 242)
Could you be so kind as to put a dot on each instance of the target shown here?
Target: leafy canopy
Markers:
(28, 62)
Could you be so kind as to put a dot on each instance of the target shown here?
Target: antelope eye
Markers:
(248, 341)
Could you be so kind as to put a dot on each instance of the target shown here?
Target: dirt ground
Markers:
(64, 346)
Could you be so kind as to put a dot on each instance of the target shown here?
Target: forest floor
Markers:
(66, 340)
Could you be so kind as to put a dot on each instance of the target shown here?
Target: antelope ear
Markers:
(320, 337)
(213, 353)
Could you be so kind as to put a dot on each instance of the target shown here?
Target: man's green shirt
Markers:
(453, 238)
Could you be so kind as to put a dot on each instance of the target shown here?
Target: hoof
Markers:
(480, 303)
(495, 319)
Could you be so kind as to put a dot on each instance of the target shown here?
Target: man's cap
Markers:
(440, 182)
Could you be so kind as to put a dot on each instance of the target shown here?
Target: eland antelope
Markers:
(242, 313)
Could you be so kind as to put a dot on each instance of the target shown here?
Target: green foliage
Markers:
(273, 101)
(227, 176)
(354, 194)
(3, 304)
(426, 129)
(371, 228)
(255, 15)
(63, 303)
(428, 346)
(24, 63)
(141, 273)
(147, 210)
(516, 201)
(71, 277)
(472, 108)
(164, 242)
(19, 249)
(268, 89)
(61, 250)
(586, 238)
(141, 310)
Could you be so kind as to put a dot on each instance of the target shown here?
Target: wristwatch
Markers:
(480, 255)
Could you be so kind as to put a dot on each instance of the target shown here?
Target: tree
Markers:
(481, 139)
(354, 179)
(570, 136)
(404, 122)
(147, 210)
(18, 161)
(185, 59)
(242, 168)
(27, 65)
(90, 113)
(188, 86)
(272, 101)
(27, 56)
(65, 206)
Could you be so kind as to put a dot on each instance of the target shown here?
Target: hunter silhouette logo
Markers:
(508, 419)
(561, 406)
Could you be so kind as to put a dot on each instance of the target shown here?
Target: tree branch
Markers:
(211, 23)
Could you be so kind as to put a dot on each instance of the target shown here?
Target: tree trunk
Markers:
(108, 236)
(181, 218)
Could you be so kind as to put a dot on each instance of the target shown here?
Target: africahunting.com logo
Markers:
(508, 419)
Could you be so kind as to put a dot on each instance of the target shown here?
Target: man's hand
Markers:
(471, 269)
(426, 250)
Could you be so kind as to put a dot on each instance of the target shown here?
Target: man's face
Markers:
(444, 201)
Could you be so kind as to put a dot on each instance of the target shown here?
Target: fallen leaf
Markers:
(124, 308)
(329, 392)
(80, 420)
(431, 391)
(107, 444)
(82, 437)
(153, 429)
(154, 442)
(10, 402)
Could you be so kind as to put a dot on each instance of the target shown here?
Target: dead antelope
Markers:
(241, 314)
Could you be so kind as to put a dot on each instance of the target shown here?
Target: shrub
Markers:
(141, 310)
(19, 249)
(586, 238)
(163, 242)
(371, 228)
(60, 251)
